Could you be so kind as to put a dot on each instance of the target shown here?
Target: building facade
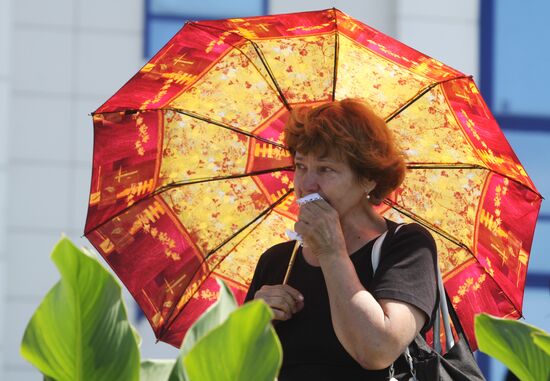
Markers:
(59, 60)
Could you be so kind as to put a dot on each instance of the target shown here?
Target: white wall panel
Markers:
(5, 90)
(466, 10)
(25, 373)
(45, 13)
(3, 284)
(5, 104)
(37, 197)
(41, 128)
(84, 128)
(66, 57)
(80, 196)
(5, 38)
(121, 15)
(19, 312)
(42, 60)
(32, 273)
(3, 213)
(289, 6)
(378, 14)
(445, 30)
(455, 44)
(106, 61)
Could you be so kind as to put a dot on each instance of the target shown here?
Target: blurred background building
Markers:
(60, 59)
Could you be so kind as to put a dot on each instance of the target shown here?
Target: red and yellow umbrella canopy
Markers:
(191, 180)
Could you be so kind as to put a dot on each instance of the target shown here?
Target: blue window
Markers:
(514, 61)
(514, 83)
(163, 18)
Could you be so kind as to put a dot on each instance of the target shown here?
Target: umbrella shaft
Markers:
(291, 261)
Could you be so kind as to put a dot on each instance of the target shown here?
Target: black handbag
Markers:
(431, 364)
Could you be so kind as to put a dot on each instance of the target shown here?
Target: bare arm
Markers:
(373, 332)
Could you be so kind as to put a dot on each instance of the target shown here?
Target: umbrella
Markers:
(191, 180)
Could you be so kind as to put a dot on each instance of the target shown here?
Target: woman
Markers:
(335, 320)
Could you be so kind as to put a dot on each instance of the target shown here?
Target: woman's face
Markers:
(332, 178)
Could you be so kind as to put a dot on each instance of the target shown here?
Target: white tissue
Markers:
(291, 234)
(309, 198)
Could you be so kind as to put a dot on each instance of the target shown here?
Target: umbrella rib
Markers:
(171, 319)
(182, 183)
(444, 166)
(229, 177)
(260, 55)
(266, 65)
(420, 94)
(336, 51)
(234, 129)
(204, 119)
(468, 166)
(259, 216)
(427, 225)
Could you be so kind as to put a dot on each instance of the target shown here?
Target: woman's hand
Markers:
(319, 225)
(283, 300)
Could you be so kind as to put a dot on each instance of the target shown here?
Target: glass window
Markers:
(521, 56)
(163, 18)
(498, 371)
(536, 307)
(210, 9)
(160, 31)
(513, 61)
(539, 261)
(532, 150)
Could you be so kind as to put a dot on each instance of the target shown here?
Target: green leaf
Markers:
(542, 340)
(245, 347)
(80, 331)
(155, 370)
(511, 342)
(209, 320)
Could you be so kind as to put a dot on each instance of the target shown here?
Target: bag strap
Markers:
(442, 308)
(375, 261)
(377, 248)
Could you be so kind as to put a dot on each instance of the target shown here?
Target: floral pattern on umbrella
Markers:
(191, 180)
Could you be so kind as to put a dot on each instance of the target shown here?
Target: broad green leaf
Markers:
(80, 331)
(245, 347)
(542, 340)
(209, 320)
(155, 370)
(137, 336)
(511, 342)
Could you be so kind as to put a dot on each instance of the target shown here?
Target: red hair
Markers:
(353, 131)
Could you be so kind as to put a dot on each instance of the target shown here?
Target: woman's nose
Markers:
(310, 183)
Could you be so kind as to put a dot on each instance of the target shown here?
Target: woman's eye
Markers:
(299, 166)
(326, 169)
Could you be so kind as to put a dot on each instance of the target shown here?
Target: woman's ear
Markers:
(368, 185)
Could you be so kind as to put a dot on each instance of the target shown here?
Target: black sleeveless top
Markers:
(311, 350)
